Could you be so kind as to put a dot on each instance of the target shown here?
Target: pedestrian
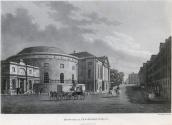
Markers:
(40, 91)
(118, 91)
(113, 91)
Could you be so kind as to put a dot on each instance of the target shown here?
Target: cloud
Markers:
(72, 16)
(78, 30)
(19, 28)
(19, 25)
(94, 17)
(126, 44)
(120, 44)
(40, 13)
(63, 12)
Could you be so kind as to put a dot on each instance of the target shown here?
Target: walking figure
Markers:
(117, 90)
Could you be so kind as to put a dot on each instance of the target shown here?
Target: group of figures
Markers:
(115, 91)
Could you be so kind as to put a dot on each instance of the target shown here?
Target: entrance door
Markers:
(21, 85)
(103, 86)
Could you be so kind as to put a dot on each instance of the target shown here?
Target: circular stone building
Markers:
(58, 70)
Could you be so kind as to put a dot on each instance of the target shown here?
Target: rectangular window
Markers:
(73, 67)
(61, 66)
(13, 69)
(89, 64)
(46, 65)
(30, 71)
(46, 77)
(89, 73)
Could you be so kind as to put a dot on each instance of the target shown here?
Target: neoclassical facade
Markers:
(56, 67)
(59, 71)
(93, 71)
(18, 78)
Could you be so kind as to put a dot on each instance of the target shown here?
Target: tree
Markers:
(116, 77)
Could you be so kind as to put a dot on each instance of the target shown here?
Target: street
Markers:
(126, 102)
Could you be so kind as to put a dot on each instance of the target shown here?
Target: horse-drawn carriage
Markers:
(74, 93)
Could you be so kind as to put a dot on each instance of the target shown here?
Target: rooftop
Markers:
(41, 49)
(82, 54)
(102, 59)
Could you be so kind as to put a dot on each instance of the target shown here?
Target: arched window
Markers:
(73, 78)
(46, 77)
(13, 84)
(61, 77)
(30, 84)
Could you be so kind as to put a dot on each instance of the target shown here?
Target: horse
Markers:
(77, 94)
(53, 95)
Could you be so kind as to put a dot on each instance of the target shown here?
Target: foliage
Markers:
(116, 77)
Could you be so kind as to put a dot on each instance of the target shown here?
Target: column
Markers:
(18, 83)
(109, 84)
(25, 86)
(32, 85)
(10, 87)
(94, 72)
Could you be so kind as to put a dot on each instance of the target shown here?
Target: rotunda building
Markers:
(56, 67)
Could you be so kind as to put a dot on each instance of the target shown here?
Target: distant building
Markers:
(126, 81)
(143, 74)
(155, 74)
(133, 79)
(18, 78)
(93, 71)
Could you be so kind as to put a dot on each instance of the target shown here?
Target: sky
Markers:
(127, 32)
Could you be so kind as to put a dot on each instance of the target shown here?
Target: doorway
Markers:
(103, 86)
(21, 86)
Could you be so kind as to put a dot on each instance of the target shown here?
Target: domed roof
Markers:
(41, 49)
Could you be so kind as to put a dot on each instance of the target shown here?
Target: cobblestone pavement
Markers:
(91, 104)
